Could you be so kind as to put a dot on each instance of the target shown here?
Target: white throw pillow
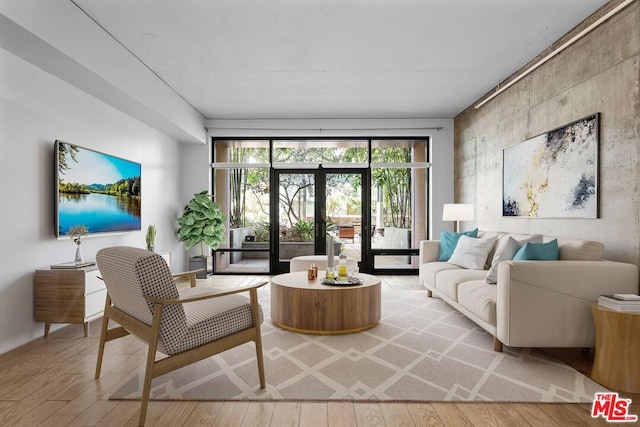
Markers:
(471, 252)
(506, 251)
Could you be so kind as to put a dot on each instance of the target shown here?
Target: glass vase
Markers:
(79, 259)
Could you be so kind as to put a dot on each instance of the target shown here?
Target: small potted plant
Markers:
(151, 238)
(202, 223)
(75, 233)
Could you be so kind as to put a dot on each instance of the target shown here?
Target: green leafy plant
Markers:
(261, 231)
(150, 238)
(302, 231)
(202, 223)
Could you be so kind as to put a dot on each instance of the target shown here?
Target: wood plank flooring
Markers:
(49, 382)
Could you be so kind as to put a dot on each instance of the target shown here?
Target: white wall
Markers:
(194, 178)
(35, 110)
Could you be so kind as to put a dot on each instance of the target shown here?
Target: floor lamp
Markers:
(457, 212)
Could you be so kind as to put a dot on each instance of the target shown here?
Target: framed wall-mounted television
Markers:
(97, 190)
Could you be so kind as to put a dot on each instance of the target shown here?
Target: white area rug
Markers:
(422, 350)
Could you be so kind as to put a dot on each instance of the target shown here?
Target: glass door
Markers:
(313, 205)
(345, 206)
(295, 232)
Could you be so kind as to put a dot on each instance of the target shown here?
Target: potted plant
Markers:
(202, 222)
(151, 238)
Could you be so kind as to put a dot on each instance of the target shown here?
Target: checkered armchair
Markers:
(186, 324)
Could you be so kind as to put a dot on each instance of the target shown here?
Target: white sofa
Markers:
(533, 303)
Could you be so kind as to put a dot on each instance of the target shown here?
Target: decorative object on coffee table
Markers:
(330, 270)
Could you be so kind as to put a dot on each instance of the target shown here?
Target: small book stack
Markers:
(72, 265)
(621, 302)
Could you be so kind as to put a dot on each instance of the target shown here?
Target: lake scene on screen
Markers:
(97, 190)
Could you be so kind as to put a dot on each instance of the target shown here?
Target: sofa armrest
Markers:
(586, 280)
(429, 251)
(547, 303)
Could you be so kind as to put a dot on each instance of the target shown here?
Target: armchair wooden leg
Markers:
(258, 341)
(151, 359)
(429, 293)
(497, 345)
(260, 359)
(103, 335)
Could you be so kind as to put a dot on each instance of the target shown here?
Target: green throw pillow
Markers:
(449, 241)
(538, 252)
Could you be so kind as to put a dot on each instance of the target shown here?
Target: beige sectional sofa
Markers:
(533, 303)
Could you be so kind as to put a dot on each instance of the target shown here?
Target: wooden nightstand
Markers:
(75, 295)
(616, 363)
(68, 296)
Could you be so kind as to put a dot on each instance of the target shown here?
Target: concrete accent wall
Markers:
(599, 73)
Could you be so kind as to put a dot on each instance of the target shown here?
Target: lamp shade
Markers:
(457, 212)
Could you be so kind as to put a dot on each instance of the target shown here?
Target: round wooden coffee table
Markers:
(309, 307)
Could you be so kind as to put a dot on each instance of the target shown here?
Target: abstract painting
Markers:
(553, 175)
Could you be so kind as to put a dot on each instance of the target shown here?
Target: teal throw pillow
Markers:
(538, 252)
(449, 241)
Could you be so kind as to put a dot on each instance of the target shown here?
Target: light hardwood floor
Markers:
(49, 382)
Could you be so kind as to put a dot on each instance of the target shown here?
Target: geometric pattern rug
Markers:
(422, 350)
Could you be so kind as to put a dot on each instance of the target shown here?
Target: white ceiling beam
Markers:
(60, 39)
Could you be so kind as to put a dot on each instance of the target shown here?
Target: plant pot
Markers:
(197, 263)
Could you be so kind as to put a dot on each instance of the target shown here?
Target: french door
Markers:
(310, 207)
(286, 197)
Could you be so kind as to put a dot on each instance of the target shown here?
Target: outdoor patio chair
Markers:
(346, 232)
(187, 324)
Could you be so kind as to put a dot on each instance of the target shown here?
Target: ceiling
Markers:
(335, 58)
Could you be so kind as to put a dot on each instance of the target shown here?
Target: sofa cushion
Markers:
(471, 253)
(429, 270)
(538, 251)
(447, 281)
(506, 250)
(479, 298)
(580, 250)
(503, 237)
(449, 240)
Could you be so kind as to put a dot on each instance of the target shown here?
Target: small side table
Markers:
(616, 363)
